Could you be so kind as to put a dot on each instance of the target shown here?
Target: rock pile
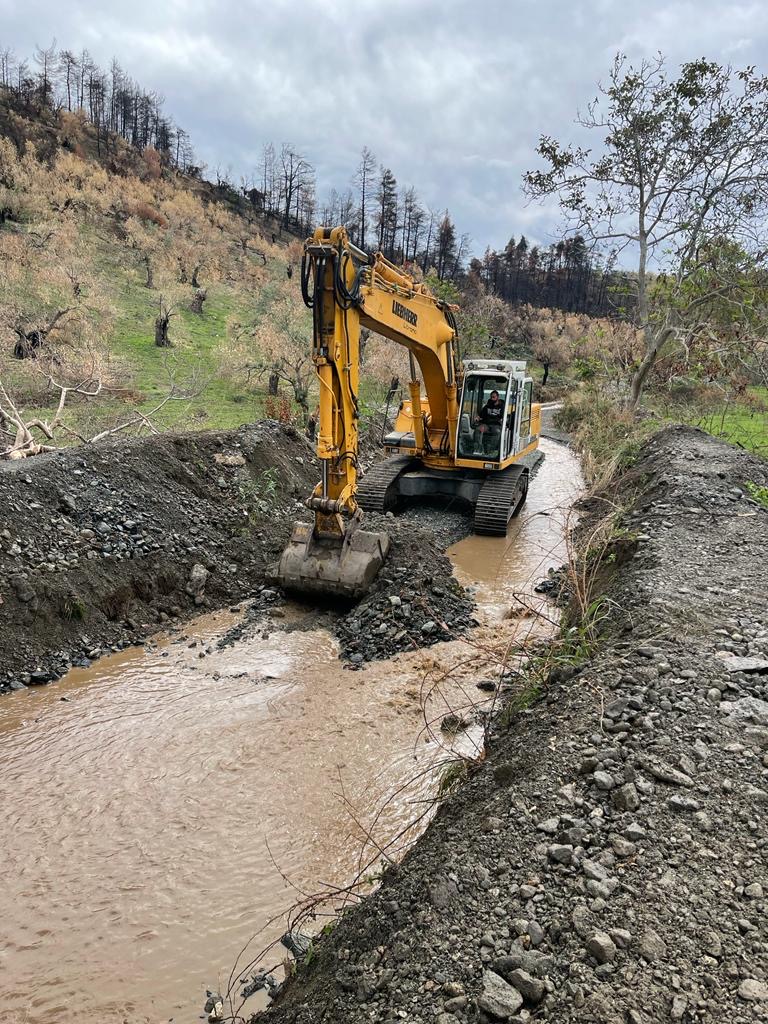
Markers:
(415, 601)
(100, 545)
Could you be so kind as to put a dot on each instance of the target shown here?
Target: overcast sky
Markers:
(451, 94)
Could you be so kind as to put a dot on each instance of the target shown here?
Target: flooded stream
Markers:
(155, 805)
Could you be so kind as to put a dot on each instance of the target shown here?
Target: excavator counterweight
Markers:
(472, 436)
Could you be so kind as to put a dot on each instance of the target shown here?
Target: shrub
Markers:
(146, 212)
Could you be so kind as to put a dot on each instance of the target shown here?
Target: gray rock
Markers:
(626, 797)
(651, 946)
(634, 831)
(664, 772)
(594, 870)
(560, 854)
(531, 989)
(537, 964)
(749, 709)
(601, 946)
(623, 847)
(198, 577)
(683, 804)
(711, 943)
(498, 997)
(604, 780)
(753, 991)
(535, 933)
(678, 1008)
(731, 663)
(457, 1003)
(549, 825)
(621, 937)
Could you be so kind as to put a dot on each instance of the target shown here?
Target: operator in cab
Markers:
(488, 426)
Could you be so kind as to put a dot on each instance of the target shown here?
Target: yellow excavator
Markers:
(473, 436)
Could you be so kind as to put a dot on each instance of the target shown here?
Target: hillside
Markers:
(98, 248)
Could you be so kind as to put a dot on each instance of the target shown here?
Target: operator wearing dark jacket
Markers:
(488, 423)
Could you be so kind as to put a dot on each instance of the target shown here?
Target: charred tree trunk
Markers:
(28, 343)
(546, 374)
(162, 325)
(272, 386)
(195, 282)
(149, 281)
(197, 301)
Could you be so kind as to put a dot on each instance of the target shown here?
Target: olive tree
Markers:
(682, 164)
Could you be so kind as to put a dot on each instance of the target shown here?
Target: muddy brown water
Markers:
(159, 807)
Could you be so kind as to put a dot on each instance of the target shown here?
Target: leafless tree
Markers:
(684, 163)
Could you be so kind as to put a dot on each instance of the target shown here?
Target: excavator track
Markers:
(501, 497)
(377, 490)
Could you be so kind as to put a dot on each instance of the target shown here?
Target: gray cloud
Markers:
(452, 95)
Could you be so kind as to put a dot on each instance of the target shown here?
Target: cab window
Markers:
(478, 439)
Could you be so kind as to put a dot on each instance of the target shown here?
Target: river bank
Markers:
(608, 863)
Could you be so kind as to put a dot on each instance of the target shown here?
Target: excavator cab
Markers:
(495, 413)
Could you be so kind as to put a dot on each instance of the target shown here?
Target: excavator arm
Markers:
(347, 289)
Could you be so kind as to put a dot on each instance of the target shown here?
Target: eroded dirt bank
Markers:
(609, 861)
(100, 546)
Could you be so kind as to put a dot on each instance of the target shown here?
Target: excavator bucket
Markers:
(331, 567)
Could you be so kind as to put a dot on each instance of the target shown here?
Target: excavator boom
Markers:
(346, 288)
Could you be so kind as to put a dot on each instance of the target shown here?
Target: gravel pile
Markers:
(608, 863)
(415, 601)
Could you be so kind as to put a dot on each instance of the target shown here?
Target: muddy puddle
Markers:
(163, 806)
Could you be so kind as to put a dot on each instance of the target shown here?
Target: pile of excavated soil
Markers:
(608, 863)
(415, 600)
(101, 545)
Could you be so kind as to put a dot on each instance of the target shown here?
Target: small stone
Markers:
(549, 825)
(560, 854)
(535, 933)
(679, 1006)
(594, 870)
(711, 943)
(651, 945)
(604, 780)
(623, 847)
(530, 988)
(634, 831)
(753, 991)
(451, 989)
(621, 937)
(626, 797)
(499, 998)
(457, 1003)
(682, 804)
(754, 891)
(601, 947)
